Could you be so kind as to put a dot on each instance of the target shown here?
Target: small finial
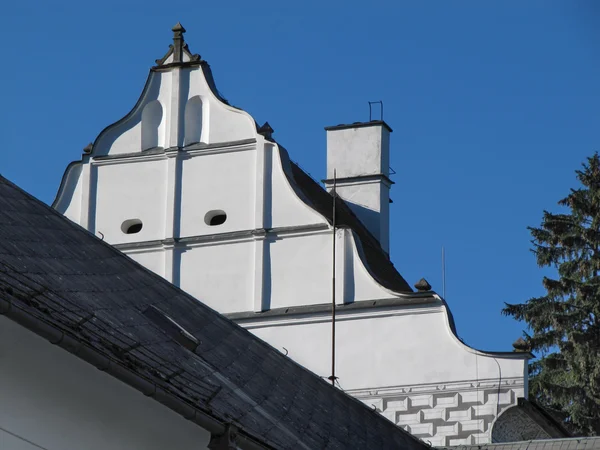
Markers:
(178, 49)
(178, 28)
(266, 130)
(178, 42)
(521, 345)
(422, 285)
(88, 148)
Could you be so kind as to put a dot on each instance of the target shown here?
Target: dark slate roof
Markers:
(376, 260)
(68, 286)
(590, 443)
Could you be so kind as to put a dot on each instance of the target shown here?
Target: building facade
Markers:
(192, 188)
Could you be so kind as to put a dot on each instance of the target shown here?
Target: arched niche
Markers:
(151, 125)
(193, 121)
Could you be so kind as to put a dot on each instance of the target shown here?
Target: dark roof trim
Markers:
(372, 123)
(183, 65)
(325, 308)
(101, 362)
(373, 177)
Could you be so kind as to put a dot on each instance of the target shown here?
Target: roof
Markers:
(68, 286)
(580, 443)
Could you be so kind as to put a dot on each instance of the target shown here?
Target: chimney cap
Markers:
(372, 123)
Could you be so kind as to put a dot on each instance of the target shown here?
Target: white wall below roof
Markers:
(221, 276)
(58, 402)
(407, 362)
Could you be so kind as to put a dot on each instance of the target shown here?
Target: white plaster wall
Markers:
(300, 270)
(153, 259)
(286, 209)
(359, 282)
(225, 123)
(385, 347)
(370, 202)
(126, 136)
(172, 89)
(130, 191)
(58, 402)
(220, 276)
(406, 363)
(218, 181)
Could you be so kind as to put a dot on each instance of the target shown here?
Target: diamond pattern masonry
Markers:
(446, 414)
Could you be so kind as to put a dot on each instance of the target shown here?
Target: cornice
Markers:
(436, 388)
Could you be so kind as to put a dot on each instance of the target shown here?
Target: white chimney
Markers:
(360, 155)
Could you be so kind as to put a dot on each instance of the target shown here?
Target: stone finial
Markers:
(521, 345)
(266, 130)
(422, 285)
(178, 42)
(88, 148)
(178, 48)
(178, 28)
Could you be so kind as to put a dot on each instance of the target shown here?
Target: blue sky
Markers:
(493, 104)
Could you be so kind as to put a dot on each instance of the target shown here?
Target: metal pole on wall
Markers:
(334, 195)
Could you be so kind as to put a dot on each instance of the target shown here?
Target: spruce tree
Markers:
(564, 324)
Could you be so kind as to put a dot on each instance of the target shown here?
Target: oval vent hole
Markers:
(132, 226)
(216, 217)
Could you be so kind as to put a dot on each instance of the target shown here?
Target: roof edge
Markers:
(415, 299)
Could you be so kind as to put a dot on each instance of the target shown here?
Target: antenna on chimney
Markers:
(334, 195)
(380, 103)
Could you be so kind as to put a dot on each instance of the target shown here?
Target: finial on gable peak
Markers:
(266, 130)
(178, 28)
(422, 285)
(179, 51)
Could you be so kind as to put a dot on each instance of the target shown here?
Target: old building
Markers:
(192, 188)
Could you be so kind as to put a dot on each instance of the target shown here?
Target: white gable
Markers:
(186, 185)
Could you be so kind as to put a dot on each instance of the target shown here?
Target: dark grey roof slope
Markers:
(82, 294)
(590, 443)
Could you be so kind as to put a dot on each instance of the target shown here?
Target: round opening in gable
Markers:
(132, 226)
(215, 217)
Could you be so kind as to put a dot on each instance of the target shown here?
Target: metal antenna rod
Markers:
(443, 273)
(333, 377)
